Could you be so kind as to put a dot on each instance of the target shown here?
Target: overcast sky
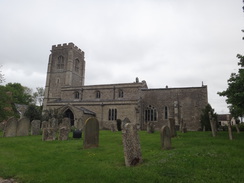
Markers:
(179, 43)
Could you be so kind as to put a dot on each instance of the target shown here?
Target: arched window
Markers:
(77, 95)
(151, 113)
(98, 94)
(112, 114)
(77, 64)
(166, 112)
(121, 93)
(60, 64)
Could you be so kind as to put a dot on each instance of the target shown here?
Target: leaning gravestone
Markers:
(91, 133)
(48, 134)
(35, 127)
(165, 138)
(63, 133)
(172, 127)
(131, 143)
(23, 127)
(10, 127)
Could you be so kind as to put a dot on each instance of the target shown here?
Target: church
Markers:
(65, 92)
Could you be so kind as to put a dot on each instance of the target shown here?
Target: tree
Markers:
(33, 112)
(12, 93)
(235, 90)
(205, 121)
(38, 96)
(1, 76)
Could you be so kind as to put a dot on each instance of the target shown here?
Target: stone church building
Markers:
(65, 91)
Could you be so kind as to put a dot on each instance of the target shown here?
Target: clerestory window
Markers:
(98, 94)
(121, 94)
(77, 95)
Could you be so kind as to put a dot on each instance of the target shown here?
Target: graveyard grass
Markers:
(194, 157)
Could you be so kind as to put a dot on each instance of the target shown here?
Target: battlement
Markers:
(66, 46)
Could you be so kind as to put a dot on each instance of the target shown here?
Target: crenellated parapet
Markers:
(66, 46)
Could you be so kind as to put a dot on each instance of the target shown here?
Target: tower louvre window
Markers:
(60, 64)
(165, 112)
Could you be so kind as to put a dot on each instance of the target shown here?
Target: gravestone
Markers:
(35, 127)
(124, 122)
(172, 127)
(45, 124)
(53, 122)
(10, 127)
(212, 124)
(150, 127)
(230, 130)
(48, 134)
(131, 143)
(91, 133)
(23, 127)
(184, 129)
(119, 124)
(165, 138)
(63, 133)
(65, 123)
(112, 127)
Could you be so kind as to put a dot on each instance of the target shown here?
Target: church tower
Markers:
(66, 68)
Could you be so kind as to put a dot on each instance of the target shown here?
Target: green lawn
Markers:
(195, 157)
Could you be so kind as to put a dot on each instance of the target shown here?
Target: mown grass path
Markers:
(195, 157)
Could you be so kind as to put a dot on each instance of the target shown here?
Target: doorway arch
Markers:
(69, 114)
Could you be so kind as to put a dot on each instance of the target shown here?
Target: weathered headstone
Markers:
(124, 122)
(131, 143)
(237, 128)
(184, 129)
(212, 124)
(112, 127)
(35, 127)
(23, 127)
(63, 133)
(65, 123)
(172, 127)
(91, 133)
(165, 138)
(48, 134)
(10, 127)
(45, 124)
(150, 127)
(53, 123)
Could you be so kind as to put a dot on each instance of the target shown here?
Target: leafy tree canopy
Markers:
(235, 90)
